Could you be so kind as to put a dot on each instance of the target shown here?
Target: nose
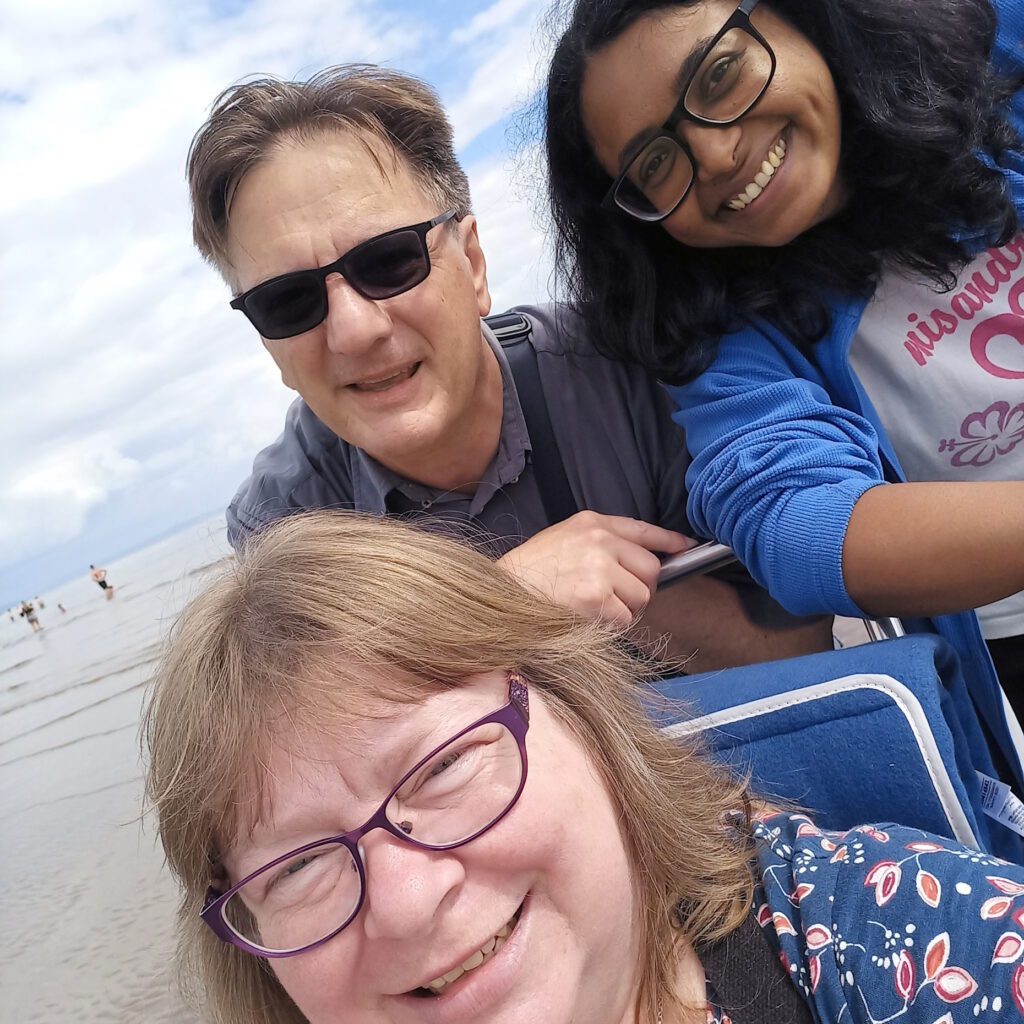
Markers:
(354, 324)
(406, 887)
(714, 149)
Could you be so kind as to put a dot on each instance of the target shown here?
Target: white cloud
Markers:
(111, 91)
(51, 496)
(518, 266)
(497, 16)
(501, 82)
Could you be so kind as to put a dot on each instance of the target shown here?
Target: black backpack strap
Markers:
(509, 328)
(513, 332)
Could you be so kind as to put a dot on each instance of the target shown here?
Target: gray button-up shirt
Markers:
(621, 451)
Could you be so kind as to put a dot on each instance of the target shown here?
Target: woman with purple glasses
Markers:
(803, 216)
(395, 788)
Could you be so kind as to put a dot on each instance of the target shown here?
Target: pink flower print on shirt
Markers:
(985, 435)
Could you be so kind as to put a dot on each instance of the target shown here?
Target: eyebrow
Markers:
(687, 69)
(291, 825)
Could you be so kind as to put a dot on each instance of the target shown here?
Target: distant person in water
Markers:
(28, 612)
(99, 574)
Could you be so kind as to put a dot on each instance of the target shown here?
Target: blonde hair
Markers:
(251, 120)
(290, 629)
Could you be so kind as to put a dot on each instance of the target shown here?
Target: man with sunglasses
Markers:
(338, 214)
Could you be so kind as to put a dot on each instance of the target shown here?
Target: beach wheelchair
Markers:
(881, 732)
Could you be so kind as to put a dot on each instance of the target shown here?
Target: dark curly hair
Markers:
(918, 101)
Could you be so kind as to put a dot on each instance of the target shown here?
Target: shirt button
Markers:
(515, 479)
(425, 503)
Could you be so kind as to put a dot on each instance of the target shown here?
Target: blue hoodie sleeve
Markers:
(1008, 50)
(777, 468)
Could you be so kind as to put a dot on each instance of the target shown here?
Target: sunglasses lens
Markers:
(388, 266)
(292, 305)
(378, 269)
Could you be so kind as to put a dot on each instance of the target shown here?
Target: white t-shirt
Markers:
(945, 373)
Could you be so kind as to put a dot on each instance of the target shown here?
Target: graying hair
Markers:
(250, 120)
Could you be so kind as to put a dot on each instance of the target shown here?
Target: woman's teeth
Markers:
(768, 167)
(484, 953)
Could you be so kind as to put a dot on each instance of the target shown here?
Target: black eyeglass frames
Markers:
(730, 75)
(379, 268)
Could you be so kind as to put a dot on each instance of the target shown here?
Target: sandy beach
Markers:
(86, 906)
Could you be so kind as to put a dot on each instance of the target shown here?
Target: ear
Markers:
(470, 241)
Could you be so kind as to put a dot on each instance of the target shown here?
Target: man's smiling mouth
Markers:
(769, 166)
(387, 381)
(473, 961)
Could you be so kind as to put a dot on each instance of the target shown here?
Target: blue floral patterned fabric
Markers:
(885, 923)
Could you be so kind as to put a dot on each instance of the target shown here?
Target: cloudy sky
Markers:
(132, 399)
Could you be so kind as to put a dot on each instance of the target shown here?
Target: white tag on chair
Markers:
(998, 801)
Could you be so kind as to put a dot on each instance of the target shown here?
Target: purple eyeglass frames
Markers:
(453, 795)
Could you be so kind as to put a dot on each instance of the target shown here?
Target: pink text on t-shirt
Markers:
(969, 299)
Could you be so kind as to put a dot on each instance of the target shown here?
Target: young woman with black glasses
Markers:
(804, 218)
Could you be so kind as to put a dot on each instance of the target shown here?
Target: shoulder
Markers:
(762, 353)
(557, 329)
(567, 359)
(289, 474)
(294, 456)
(759, 374)
(893, 922)
(586, 390)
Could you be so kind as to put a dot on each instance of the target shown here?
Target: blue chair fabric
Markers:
(881, 732)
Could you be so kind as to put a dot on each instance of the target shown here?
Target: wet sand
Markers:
(87, 917)
(86, 904)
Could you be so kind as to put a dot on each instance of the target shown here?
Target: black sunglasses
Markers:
(379, 268)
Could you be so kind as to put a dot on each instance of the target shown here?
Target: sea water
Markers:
(86, 904)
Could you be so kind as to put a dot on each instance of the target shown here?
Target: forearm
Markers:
(707, 626)
(933, 548)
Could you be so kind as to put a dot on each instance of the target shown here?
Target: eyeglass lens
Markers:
(728, 82)
(388, 266)
(289, 306)
(379, 269)
(454, 796)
